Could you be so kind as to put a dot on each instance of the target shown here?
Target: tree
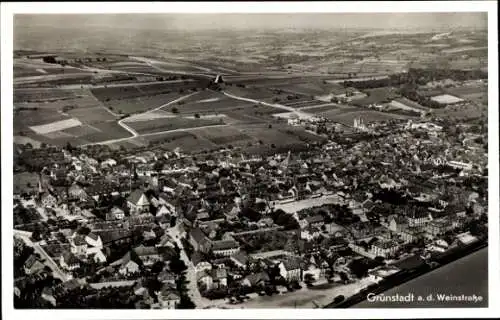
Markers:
(197, 116)
(308, 279)
(338, 299)
(177, 265)
(35, 236)
(175, 110)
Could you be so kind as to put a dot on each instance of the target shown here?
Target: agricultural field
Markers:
(141, 104)
(378, 95)
(277, 135)
(223, 136)
(186, 141)
(478, 94)
(207, 102)
(43, 95)
(347, 117)
(167, 124)
(463, 112)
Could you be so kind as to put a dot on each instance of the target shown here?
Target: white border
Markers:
(7, 11)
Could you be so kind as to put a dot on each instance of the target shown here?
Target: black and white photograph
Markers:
(206, 156)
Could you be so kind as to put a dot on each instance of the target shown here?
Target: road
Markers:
(192, 286)
(57, 272)
(299, 113)
(134, 133)
(119, 85)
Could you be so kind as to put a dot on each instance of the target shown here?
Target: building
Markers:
(199, 241)
(168, 297)
(240, 259)
(384, 248)
(397, 224)
(148, 255)
(290, 270)
(33, 265)
(260, 279)
(126, 266)
(69, 261)
(225, 248)
(418, 218)
(93, 240)
(78, 244)
(138, 202)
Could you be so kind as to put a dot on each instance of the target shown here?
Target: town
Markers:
(162, 167)
(164, 229)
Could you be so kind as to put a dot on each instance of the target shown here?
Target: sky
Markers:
(186, 22)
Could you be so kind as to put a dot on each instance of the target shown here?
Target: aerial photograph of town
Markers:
(241, 161)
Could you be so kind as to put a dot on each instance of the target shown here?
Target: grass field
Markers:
(224, 135)
(42, 95)
(141, 104)
(378, 95)
(368, 116)
(166, 124)
(186, 141)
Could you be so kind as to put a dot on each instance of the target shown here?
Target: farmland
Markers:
(167, 124)
(378, 95)
(186, 141)
(140, 104)
(224, 136)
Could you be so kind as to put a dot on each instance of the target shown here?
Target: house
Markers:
(33, 265)
(93, 240)
(397, 224)
(140, 288)
(48, 295)
(163, 211)
(232, 215)
(77, 192)
(437, 227)
(310, 233)
(126, 265)
(166, 277)
(205, 280)
(98, 256)
(48, 200)
(225, 247)
(290, 270)
(315, 221)
(138, 202)
(148, 255)
(418, 218)
(219, 277)
(199, 241)
(260, 279)
(168, 297)
(115, 214)
(199, 263)
(69, 261)
(240, 259)
(384, 248)
(78, 244)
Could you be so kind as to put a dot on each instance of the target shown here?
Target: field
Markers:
(463, 112)
(167, 124)
(378, 95)
(186, 141)
(278, 135)
(478, 94)
(42, 95)
(346, 116)
(224, 136)
(141, 104)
